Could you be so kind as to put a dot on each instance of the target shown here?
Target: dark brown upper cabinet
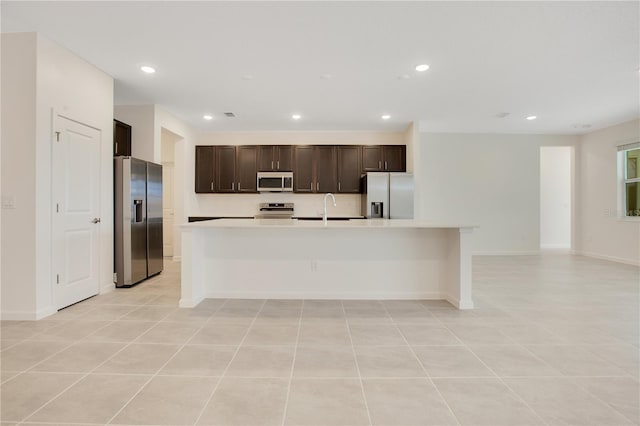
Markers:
(315, 169)
(349, 169)
(225, 169)
(303, 173)
(121, 139)
(247, 162)
(384, 158)
(205, 161)
(394, 158)
(273, 158)
(326, 166)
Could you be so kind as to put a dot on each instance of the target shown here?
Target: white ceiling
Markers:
(566, 62)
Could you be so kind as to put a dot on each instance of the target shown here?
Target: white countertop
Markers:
(319, 224)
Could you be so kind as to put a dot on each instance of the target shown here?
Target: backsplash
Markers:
(247, 204)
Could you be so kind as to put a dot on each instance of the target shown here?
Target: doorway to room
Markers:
(555, 197)
(168, 145)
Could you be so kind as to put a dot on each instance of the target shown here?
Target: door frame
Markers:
(56, 114)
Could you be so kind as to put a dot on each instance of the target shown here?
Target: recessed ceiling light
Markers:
(531, 117)
(386, 117)
(207, 117)
(147, 69)
(422, 67)
(296, 116)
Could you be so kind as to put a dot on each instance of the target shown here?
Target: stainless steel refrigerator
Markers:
(138, 220)
(387, 195)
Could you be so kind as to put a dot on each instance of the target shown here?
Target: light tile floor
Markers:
(554, 341)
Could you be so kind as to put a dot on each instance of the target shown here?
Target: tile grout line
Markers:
(144, 385)
(521, 399)
(293, 365)
(355, 358)
(82, 375)
(598, 398)
(224, 372)
(422, 366)
(571, 379)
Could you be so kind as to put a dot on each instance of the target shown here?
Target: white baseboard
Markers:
(556, 250)
(28, 315)
(464, 304)
(507, 253)
(107, 287)
(554, 247)
(328, 295)
(190, 303)
(633, 262)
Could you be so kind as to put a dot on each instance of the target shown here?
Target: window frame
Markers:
(623, 180)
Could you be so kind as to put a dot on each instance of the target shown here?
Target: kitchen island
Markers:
(344, 259)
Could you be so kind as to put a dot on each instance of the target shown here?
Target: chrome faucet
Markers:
(324, 218)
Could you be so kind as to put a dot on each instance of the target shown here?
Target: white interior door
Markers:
(555, 197)
(76, 207)
(167, 209)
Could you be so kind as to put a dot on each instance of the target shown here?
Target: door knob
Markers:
(96, 220)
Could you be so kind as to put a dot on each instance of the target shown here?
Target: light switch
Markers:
(8, 202)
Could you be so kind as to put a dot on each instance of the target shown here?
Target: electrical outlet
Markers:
(8, 202)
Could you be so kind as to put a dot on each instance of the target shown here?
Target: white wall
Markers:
(601, 233)
(64, 84)
(488, 180)
(142, 119)
(555, 197)
(18, 180)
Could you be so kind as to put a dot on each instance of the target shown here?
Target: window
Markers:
(631, 180)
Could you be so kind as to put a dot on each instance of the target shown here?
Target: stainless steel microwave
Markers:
(275, 181)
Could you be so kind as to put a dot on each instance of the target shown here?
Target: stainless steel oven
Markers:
(275, 181)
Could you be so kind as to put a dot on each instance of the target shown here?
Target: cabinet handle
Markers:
(238, 186)
(379, 164)
(212, 185)
(278, 164)
(233, 186)
(317, 186)
(311, 186)
(338, 186)
(116, 147)
(385, 165)
(271, 164)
